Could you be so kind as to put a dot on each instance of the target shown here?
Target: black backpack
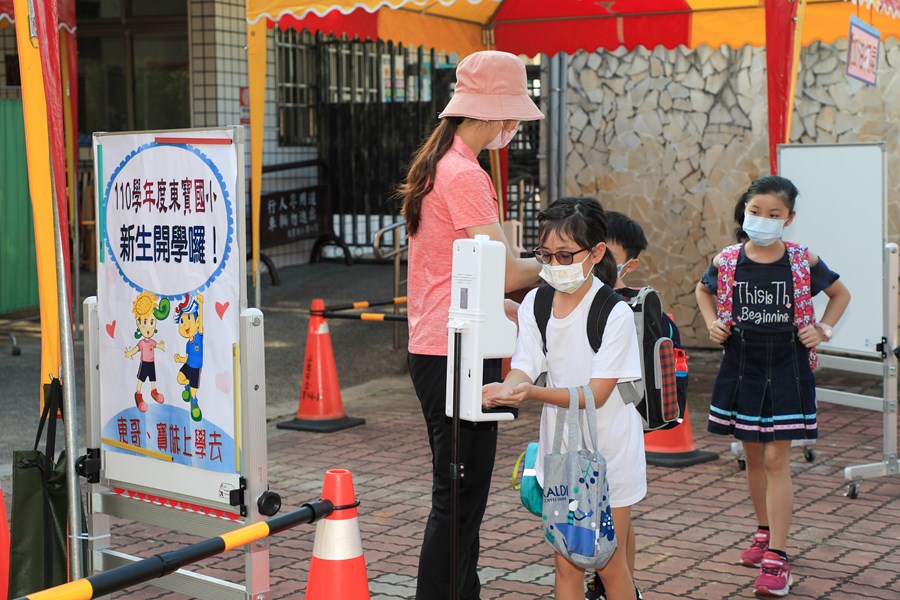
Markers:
(655, 395)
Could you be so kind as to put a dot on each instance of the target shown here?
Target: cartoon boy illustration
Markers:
(147, 309)
(189, 318)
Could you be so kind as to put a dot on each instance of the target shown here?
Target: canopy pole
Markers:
(256, 72)
(562, 123)
(37, 150)
(552, 139)
(71, 171)
(70, 413)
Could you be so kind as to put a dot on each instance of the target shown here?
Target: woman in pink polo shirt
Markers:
(447, 196)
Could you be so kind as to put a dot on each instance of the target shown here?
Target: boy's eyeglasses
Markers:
(563, 257)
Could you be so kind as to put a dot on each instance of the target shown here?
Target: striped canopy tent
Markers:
(65, 10)
(531, 27)
(46, 44)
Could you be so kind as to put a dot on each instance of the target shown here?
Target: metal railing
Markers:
(397, 252)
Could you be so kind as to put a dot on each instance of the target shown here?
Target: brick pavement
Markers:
(689, 528)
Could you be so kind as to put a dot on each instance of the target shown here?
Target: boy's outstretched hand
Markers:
(503, 394)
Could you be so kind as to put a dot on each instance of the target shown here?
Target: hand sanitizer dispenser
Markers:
(476, 312)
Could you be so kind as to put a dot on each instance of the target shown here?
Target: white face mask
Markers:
(503, 139)
(565, 278)
(763, 231)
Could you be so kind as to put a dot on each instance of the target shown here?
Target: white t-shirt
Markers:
(571, 361)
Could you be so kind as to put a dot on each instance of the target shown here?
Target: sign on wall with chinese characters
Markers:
(863, 46)
(169, 293)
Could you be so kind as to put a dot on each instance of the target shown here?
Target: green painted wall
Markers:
(18, 271)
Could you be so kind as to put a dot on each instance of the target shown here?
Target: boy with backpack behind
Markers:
(626, 240)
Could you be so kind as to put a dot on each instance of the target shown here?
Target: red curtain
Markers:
(47, 21)
(780, 28)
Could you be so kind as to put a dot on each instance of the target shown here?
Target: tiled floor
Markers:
(690, 527)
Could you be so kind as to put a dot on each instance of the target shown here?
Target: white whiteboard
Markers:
(842, 217)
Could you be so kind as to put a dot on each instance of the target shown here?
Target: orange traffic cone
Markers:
(338, 568)
(675, 447)
(4, 549)
(320, 406)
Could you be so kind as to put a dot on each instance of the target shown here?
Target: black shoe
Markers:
(595, 589)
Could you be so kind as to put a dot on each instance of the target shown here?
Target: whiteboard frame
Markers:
(883, 360)
(818, 227)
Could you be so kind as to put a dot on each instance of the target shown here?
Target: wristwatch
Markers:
(826, 330)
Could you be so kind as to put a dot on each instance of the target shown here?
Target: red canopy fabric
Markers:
(358, 24)
(65, 8)
(528, 25)
(534, 26)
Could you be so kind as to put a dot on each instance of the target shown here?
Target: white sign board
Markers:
(832, 178)
(170, 292)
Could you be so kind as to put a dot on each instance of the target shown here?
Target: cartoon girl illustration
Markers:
(148, 309)
(189, 318)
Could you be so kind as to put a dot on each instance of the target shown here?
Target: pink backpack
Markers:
(798, 256)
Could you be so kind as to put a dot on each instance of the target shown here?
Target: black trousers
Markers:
(477, 446)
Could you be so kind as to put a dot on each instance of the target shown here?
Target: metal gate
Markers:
(368, 139)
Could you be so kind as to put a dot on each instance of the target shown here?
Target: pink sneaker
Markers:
(774, 576)
(759, 544)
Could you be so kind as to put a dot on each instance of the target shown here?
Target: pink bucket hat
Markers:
(491, 86)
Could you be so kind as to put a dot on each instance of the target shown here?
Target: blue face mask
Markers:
(763, 231)
(621, 266)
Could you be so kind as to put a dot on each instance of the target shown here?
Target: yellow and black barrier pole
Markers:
(165, 563)
(366, 304)
(363, 316)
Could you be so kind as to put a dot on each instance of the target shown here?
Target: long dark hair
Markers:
(582, 220)
(420, 178)
(769, 185)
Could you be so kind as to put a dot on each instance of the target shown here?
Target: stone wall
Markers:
(673, 137)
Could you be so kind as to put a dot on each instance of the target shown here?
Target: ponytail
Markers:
(420, 179)
(739, 209)
(606, 269)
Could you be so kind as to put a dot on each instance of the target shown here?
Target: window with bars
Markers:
(296, 68)
(313, 71)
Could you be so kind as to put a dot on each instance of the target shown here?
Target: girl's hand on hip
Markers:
(810, 336)
(719, 332)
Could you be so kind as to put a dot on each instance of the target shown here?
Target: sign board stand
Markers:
(865, 339)
(102, 503)
(887, 368)
(159, 469)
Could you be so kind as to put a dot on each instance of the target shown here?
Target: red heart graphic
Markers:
(221, 308)
(111, 329)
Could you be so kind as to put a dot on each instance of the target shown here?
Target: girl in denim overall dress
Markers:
(756, 300)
